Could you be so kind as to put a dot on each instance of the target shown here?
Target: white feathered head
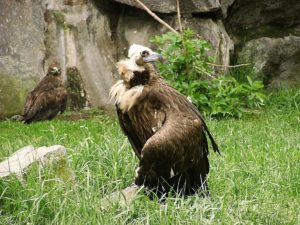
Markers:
(139, 55)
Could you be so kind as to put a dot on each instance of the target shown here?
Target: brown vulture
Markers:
(47, 99)
(166, 131)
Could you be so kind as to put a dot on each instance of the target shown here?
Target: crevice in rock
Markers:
(214, 15)
(113, 11)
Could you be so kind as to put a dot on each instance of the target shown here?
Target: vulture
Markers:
(166, 131)
(47, 99)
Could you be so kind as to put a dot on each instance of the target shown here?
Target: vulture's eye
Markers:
(145, 53)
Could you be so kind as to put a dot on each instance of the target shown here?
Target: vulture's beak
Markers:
(153, 58)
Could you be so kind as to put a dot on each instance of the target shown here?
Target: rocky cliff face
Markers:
(266, 34)
(21, 51)
(89, 36)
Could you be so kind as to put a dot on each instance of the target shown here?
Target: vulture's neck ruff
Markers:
(128, 91)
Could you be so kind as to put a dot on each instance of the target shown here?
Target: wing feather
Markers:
(45, 105)
(186, 105)
(126, 126)
(176, 140)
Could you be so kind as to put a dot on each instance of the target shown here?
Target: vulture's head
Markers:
(139, 56)
(136, 71)
(54, 70)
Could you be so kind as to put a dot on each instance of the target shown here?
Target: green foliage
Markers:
(189, 69)
(285, 99)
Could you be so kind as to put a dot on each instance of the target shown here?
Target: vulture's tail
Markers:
(206, 130)
(212, 140)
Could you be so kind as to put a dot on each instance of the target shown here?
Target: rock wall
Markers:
(78, 34)
(21, 51)
(266, 34)
(89, 36)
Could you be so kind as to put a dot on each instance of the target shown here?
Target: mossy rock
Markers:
(12, 96)
(77, 97)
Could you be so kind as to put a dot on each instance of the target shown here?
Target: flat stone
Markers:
(22, 159)
(123, 197)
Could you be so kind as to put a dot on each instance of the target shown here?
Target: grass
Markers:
(256, 181)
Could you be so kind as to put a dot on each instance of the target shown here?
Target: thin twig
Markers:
(217, 49)
(179, 17)
(155, 16)
(218, 65)
(206, 73)
(181, 33)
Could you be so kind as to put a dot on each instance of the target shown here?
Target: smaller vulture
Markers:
(166, 131)
(47, 99)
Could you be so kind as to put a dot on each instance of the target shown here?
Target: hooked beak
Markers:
(153, 58)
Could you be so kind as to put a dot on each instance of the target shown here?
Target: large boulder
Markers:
(275, 60)
(251, 19)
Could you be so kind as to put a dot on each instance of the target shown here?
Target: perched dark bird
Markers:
(47, 99)
(166, 131)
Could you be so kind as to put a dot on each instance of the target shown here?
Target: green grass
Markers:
(256, 181)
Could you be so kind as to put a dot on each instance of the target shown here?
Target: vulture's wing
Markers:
(194, 109)
(178, 145)
(45, 85)
(128, 130)
(29, 103)
(212, 140)
(45, 105)
(61, 99)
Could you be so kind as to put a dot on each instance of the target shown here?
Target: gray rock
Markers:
(251, 19)
(225, 4)
(122, 198)
(129, 31)
(169, 6)
(53, 157)
(80, 36)
(21, 52)
(275, 60)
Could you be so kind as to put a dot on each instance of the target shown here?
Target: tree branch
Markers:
(179, 16)
(218, 65)
(155, 16)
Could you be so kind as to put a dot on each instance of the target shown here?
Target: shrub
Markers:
(188, 67)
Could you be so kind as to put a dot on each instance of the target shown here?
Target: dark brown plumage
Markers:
(47, 99)
(166, 131)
